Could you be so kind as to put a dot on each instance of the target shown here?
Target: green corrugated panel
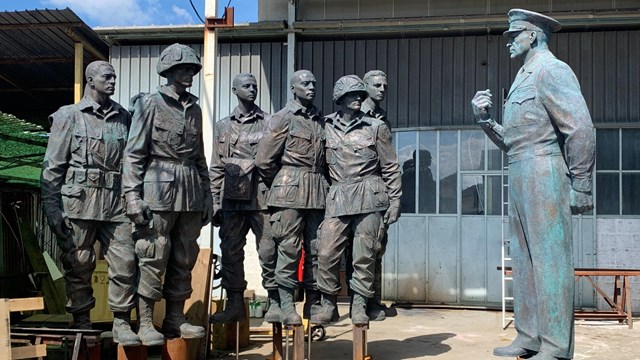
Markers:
(22, 148)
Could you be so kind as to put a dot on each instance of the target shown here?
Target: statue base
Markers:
(175, 349)
(360, 342)
(132, 352)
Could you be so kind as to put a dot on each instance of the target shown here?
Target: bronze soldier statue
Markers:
(166, 186)
(82, 199)
(291, 158)
(239, 200)
(363, 199)
(548, 136)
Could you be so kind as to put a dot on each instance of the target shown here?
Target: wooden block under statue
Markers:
(176, 349)
(223, 336)
(132, 352)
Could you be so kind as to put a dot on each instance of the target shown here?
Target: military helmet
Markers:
(177, 54)
(347, 84)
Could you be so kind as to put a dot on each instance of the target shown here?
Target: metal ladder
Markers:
(504, 248)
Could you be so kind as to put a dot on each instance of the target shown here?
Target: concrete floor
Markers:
(450, 334)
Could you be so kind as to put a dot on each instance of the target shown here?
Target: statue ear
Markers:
(533, 37)
(90, 81)
(234, 90)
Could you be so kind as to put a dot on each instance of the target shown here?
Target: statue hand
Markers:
(216, 219)
(137, 209)
(393, 213)
(581, 202)
(60, 225)
(207, 212)
(481, 104)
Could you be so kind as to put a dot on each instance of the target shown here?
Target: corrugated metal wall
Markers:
(432, 80)
(136, 70)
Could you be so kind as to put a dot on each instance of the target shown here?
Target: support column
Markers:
(78, 73)
(291, 43)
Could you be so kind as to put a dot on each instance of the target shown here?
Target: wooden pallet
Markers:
(21, 352)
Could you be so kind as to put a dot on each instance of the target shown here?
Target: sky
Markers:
(108, 13)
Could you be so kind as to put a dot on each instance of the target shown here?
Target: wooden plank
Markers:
(27, 352)
(26, 304)
(277, 342)
(298, 342)
(77, 73)
(359, 342)
(175, 349)
(5, 338)
(195, 308)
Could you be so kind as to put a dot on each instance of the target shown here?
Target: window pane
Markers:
(406, 141)
(448, 164)
(630, 198)
(607, 149)
(495, 155)
(607, 197)
(494, 201)
(427, 169)
(472, 150)
(630, 149)
(472, 195)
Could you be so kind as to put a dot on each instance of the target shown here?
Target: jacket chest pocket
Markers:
(520, 107)
(251, 141)
(191, 137)
(299, 141)
(90, 143)
(364, 147)
(169, 132)
(223, 146)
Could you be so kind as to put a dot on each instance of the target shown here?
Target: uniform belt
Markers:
(532, 153)
(303, 168)
(183, 162)
(94, 178)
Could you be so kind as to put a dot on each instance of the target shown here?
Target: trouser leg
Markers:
(119, 251)
(313, 221)
(334, 237)
(266, 247)
(79, 262)
(233, 238)
(182, 257)
(368, 231)
(286, 228)
(153, 254)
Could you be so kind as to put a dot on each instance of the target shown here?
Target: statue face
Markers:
(377, 88)
(246, 89)
(352, 101)
(104, 82)
(519, 43)
(304, 87)
(181, 75)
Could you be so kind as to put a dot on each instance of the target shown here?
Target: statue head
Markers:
(376, 81)
(178, 55)
(528, 30)
(245, 87)
(349, 84)
(303, 86)
(101, 78)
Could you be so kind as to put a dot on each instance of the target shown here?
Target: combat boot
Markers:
(122, 333)
(175, 324)
(328, 312)
(376, 311)
(288, 316)
(359, 309)
(273, 314)
(81, 320)
(311, 303)
(148, 334)
(235, 310)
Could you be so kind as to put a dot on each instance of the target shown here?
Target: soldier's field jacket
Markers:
(291, 156)
(546, 115)
(363, 166)
(164, 160)
(81, 174)
(232, 171)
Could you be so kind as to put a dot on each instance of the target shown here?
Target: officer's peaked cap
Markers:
(520, 20)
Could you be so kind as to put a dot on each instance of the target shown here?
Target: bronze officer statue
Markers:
(82, 198)
(167, 191)
(548, 136)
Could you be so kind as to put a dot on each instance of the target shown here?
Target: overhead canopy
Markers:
(37, 60)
